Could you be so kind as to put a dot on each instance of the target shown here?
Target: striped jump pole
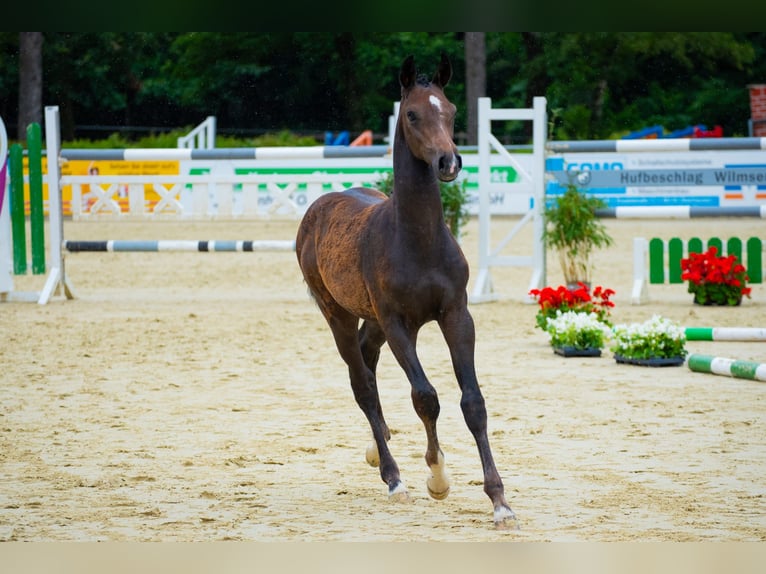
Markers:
(681, 211)
(170, 245)
(727, 367)
(725, 334)
(263, 153)
(662, 144)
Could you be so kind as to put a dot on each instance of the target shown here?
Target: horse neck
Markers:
(416, 196)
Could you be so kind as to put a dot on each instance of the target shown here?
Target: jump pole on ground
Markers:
(725, 333)
(727, 367)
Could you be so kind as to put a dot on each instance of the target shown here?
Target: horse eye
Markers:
(411, 116)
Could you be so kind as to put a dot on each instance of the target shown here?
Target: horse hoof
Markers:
(505, 519)
(437, 491)
(438, 495)
(399, 494)
(371, 455)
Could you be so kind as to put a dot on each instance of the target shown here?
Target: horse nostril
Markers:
(449, 163)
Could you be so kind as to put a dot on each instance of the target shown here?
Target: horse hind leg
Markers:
(371, 339)
(364, 387)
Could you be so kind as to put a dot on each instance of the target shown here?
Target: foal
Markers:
(393, 263)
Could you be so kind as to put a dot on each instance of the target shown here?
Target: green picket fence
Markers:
(664, 259)
(675, 252)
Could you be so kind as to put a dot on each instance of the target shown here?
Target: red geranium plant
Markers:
(715, 280)
(580, 300)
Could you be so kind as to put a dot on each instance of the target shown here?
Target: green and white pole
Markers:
(725, 333)
(728, 367)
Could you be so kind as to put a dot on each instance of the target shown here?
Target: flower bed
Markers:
(553, 301)
(576, 320)
(577, 334)
(715, 280)
(655, 342)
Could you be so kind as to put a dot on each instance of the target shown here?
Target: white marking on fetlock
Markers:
(372, 456)
(399, 493)
(438, 483)
(505, 519)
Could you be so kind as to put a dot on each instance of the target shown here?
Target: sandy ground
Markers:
(199, 397)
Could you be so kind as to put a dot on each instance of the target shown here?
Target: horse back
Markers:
(330, 246)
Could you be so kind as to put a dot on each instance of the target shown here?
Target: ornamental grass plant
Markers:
(574, 231)
(714, 279)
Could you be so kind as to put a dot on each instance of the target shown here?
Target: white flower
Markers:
(656, 337)
(580, 330)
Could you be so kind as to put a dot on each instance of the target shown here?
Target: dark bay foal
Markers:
(393, 264)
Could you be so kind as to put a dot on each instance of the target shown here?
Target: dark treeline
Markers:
(598, 85)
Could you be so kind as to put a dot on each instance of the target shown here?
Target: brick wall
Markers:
(758, 109)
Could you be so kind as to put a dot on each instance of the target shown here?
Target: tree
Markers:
(475, 81)
(30, 81)
(598, 84)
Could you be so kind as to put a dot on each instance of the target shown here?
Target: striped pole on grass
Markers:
(725, 334)
(728, 367)
(168, 245)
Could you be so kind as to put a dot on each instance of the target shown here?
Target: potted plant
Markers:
(574, 334)
(573, 229)
(554, 301)
(714, 279)
(657, 342)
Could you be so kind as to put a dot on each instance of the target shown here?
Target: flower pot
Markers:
(715, 280)
(650, 362)
(715, 304)
(568, 351)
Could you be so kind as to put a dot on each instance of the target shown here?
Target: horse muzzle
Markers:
(449, 166)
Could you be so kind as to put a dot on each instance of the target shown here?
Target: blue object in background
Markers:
(341, 139)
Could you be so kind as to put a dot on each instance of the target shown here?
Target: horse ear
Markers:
(407, 73)
(444, 73)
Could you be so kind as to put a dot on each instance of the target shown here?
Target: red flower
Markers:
(580, 299)
(714, 279)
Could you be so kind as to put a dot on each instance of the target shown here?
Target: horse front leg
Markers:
(459, 333)
(426, 403)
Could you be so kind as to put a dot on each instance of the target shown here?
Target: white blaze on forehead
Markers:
(435, 102)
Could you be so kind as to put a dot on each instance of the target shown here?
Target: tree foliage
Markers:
(598, 84)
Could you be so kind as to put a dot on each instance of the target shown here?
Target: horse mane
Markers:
(423, 80)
